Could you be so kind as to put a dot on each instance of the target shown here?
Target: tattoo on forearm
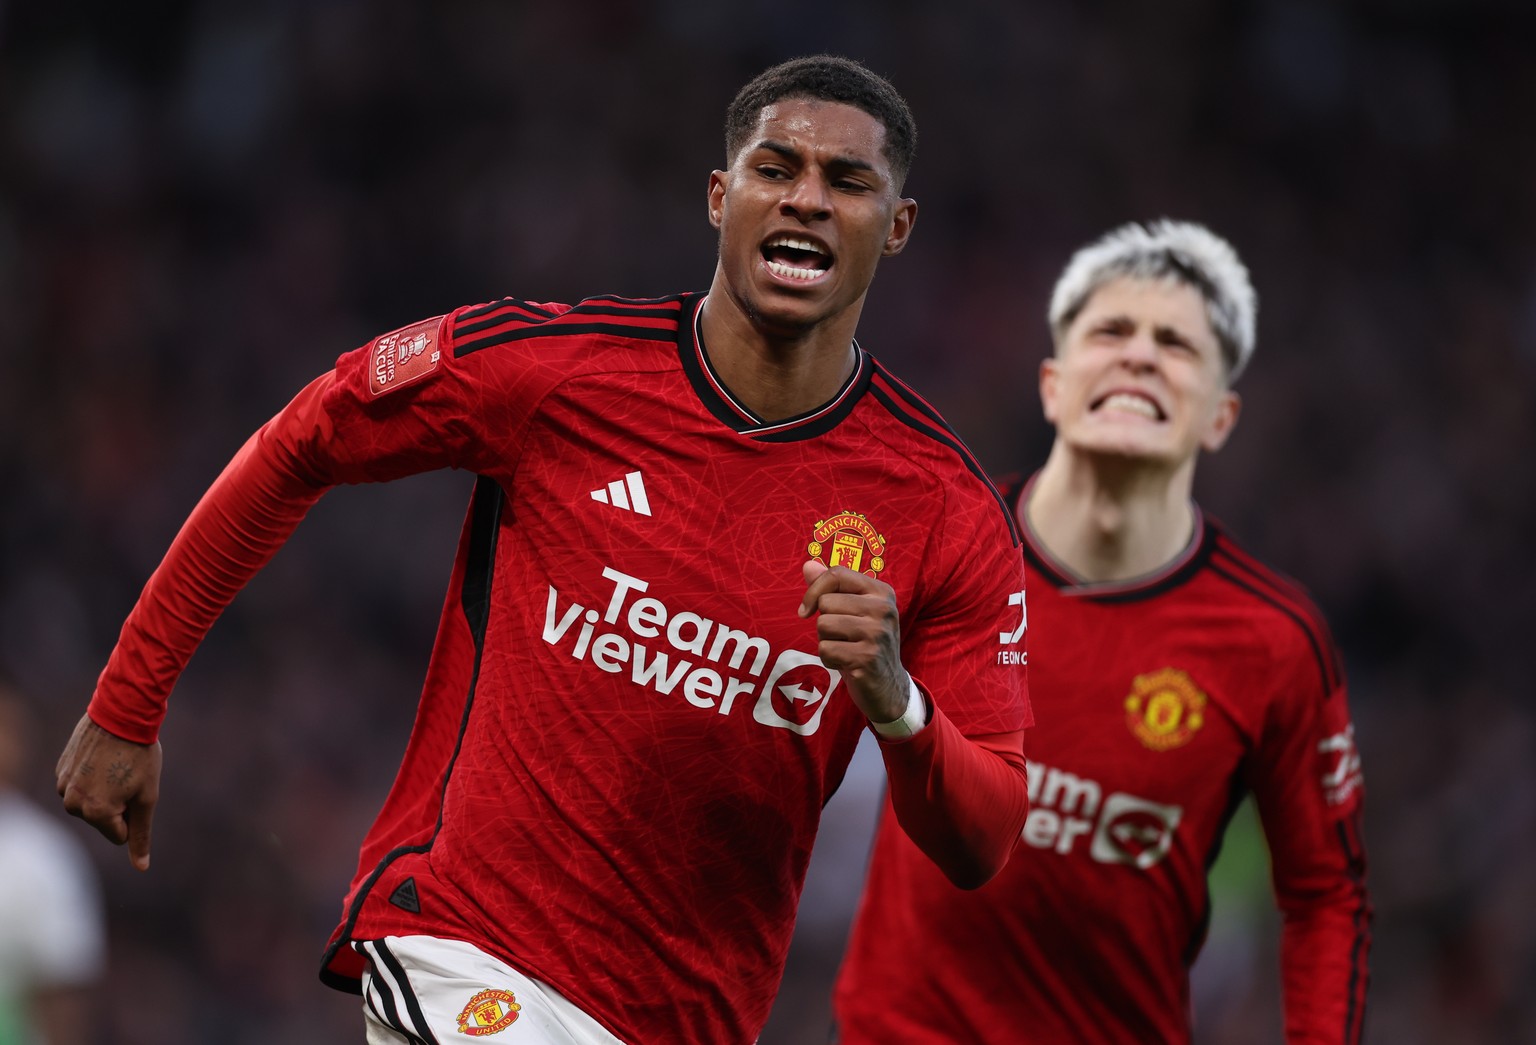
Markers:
(119, 773)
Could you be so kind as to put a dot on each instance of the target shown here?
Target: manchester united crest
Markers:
(848, 539)
(489, 1011)
(1165, 709)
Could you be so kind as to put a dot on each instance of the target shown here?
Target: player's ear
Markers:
(1223, 420)
(901, 227)
(717, 197)
(1048, 376)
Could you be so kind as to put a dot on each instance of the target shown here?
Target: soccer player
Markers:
(1172, 674)
(711, 541)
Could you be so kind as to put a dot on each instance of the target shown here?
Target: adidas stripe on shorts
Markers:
(420, 990)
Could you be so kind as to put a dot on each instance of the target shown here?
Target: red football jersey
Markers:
(1161, 703)
(626, 737)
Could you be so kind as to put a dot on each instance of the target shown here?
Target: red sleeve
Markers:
(1307, 782)
(247, 514)
(396, 406)
(961, 799)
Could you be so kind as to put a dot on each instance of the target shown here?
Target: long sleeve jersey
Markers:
(626, 736)
(1162, 702)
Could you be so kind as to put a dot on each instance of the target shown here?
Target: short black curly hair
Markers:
(828, 78)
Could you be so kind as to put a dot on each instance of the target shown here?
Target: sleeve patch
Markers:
(404, 356)
(1341, 775)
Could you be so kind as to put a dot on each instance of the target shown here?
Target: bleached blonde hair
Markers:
(1176, 250)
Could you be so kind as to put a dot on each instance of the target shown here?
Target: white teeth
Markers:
(778, 268)
(1130, 404)
(787, 240)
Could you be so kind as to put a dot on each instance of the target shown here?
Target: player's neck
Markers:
(777, 375)
(1106, 520)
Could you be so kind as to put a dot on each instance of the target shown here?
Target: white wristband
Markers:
(911, 721)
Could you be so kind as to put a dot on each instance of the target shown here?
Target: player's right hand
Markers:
(113, 785)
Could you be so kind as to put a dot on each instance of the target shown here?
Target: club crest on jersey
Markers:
(1165, 709)
(848, 539)
(489, 1011)
(403, 356)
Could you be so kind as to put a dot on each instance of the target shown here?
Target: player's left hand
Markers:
(859, 627)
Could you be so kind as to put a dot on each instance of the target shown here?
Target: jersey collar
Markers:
(732, 413)
(1170, 575)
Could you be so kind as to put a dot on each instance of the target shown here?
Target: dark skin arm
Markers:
(113, 785)
(963, 809)
(859, 628)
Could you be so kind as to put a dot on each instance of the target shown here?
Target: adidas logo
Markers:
(405, 898)
(627, 493)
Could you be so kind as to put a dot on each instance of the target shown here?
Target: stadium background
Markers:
(202, 204)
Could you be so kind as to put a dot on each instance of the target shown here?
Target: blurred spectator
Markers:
(52, 943)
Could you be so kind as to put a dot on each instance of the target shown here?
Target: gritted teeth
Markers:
(794, 257)
(793, 243)
(1131, 404)
(779, 268)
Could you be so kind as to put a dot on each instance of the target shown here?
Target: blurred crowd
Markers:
(203, 204)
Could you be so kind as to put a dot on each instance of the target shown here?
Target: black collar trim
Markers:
(732, 413)
(1172, 574)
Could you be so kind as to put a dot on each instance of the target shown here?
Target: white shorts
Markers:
(420, 990)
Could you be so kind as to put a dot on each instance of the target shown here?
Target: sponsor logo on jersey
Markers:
(627, 493)
(707, 662)
(1014, 654)
(1342, 774)
(1165, 709)
(1120, 828)
(403, 356)
(488, 1012)
(848, 539)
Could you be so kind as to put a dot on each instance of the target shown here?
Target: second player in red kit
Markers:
(1172, 674)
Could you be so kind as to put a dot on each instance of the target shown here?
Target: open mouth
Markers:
(1130, 403)
(795, 257)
